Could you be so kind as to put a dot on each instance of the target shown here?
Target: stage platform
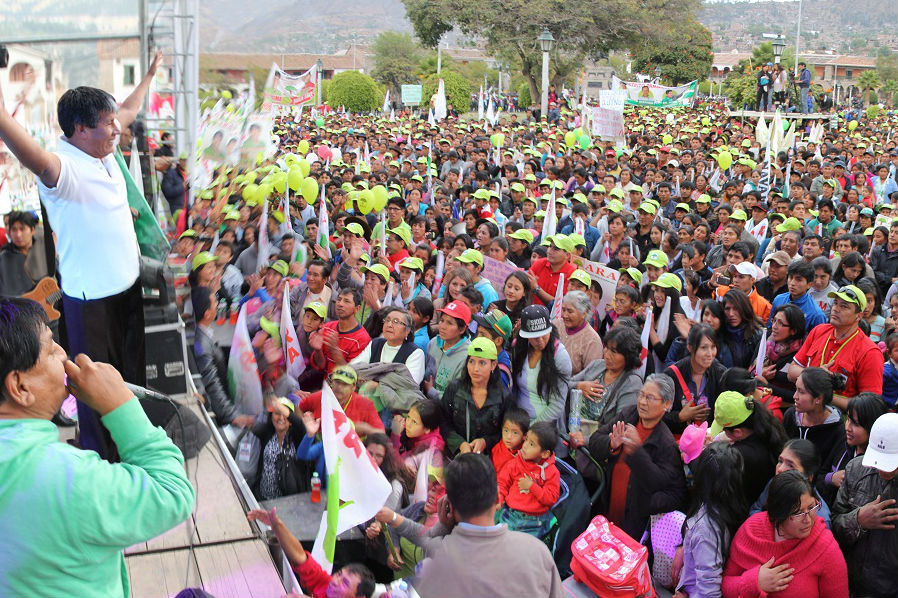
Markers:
(216, 549)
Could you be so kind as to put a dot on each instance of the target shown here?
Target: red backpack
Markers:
(611, 563)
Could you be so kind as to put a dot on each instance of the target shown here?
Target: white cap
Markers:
(882, 448)
(673, 163)
(746, 268)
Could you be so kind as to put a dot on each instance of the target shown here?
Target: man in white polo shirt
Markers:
(84, 193)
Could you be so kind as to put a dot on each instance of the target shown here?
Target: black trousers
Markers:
(110, 329)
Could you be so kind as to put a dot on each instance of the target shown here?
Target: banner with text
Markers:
(654, 95)
(286, 90)
(608, 124)
(603, 275)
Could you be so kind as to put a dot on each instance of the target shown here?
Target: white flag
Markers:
(134, 166)
(262, 244)
(324, 227)
(243, 373)
(759, 231)
(644, 338)
(356, 487)
(439, 106)
(491, 112)
(386, 106)
(762, 352)
(480, 104)
(293, 356)
(421, 479)
(551, 221)
(559, 299)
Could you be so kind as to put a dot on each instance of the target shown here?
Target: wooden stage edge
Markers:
(216, 548)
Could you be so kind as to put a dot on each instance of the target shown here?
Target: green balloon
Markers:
(319, 121)
(310, 189)
(585, 142)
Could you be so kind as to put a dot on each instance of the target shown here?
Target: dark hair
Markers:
(549, 375)
(24, 218)
(546, 434)
(739, 300)
(784, 495)
(367, 583)
(822, 263)
(868, 286)
(739, 380)
(766, 427)
(325, 268)
(631, 293)
(392, 467)
(424, 306)
(794, 319)
(518, 417)
(697, 333)
(356, 295)
(83, 106)
(802, 269)
(822, 383)
(429, 410)
(201, 299)
(21, 324)
(742, 248)
(865, 408)
(471, 485)
(625, 341)
(806, 451)
(850, 260)
(718, 488)
(473, 295)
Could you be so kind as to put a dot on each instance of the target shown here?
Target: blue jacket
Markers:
(890, 383)
(812, 313)
(591, 234)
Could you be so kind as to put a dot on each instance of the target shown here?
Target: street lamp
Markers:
(546, 43)
(779, 44)
(318, 65)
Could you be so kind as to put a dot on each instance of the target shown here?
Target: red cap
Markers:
(610, 152)
(459, 310)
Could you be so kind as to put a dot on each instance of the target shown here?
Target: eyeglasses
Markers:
(395, 321)
(642, 396)
(850, 292)
(812, 512)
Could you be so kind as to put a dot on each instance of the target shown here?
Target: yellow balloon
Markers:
(304, 167)
(249, 192)
(380, 197)
(294, 178)
(724, 160)
(570, 139)
(310, 189)
(365, 201)
(852, 125)
(303, 147)
(280, 184)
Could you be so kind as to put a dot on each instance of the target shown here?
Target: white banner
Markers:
(244, 384)
(608, 124)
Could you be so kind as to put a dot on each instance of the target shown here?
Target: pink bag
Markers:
(611, 563)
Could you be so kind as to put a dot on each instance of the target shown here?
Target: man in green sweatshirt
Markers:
(65, 514)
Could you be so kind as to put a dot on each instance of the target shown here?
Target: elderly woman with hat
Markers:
(638, 439)
(474, 403)
(575, 333)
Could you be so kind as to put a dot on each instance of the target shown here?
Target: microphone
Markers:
(145, 393)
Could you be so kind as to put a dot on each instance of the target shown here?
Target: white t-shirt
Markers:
(414, 363)
(88, 209)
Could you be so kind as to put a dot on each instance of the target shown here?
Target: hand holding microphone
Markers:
(97, 385)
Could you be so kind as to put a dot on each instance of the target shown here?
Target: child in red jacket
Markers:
(515, 424)
(530, 483)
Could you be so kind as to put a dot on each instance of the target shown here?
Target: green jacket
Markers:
(66, 515)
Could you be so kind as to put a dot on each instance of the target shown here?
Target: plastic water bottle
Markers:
(573, 422)
(222, 314)
(316, 487)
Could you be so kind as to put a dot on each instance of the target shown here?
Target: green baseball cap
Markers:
(562, 242)
(682, 206)
(318, 308)
(203, 258)
(577, 240)
(518, 187)
(657, 258)
(669, 280)
(636, 189)
(648, 208)
(615, 206)
(851, 294)
(739, 215)
(470, 256)
(633, 273)
(345, 373)
(412, 263)
(281, 267)
(616, 192)
(188, 233)
(483, 347)
(790, 223)
(522, 234)
(270, 328)
(355, 228)
(581, 276)
(482, 194)
(378, 269)
(730, 409)
(703, 198)
(403, 233)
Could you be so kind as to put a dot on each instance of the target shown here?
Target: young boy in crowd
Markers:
(530, 483)
(497, 327)
(515, 425)
(626, 300)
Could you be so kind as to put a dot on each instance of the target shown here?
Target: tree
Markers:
(741, 88)
(458, 90)
(868, 81)
(889, 89)
(396, 56)
(354, 90)
(684, 55)
(763, 54)
(887, 65)
(581, 28)
(524, 99)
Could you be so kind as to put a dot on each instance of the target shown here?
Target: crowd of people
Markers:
(741, 369)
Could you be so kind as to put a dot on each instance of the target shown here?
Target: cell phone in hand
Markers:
(724, 280)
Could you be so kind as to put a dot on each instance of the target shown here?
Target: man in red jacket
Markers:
(545, 271)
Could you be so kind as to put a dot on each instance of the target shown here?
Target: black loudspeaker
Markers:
(167, 368)
(186, 430)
